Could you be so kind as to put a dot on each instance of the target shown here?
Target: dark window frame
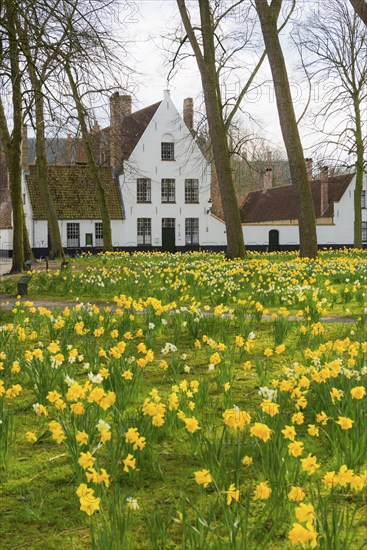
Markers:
(191, 191)
(167, 150)
(143, 190)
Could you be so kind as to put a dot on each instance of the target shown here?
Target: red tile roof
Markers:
(279, 203)
(133, 126)
(74, 194)
(131, 130)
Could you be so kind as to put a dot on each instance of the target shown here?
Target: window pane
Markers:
(364, 232)
(168, 222)
(98, 232)
(363, 199)
(168, 190)
(72, 235)
(191, 190)
(144, 231)
(192, 230)
(167, 151)
(143, 190)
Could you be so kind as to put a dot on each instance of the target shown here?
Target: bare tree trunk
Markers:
(93, 168)
(13, 143)
(360, 7)
(219, 140)
(359, 176)
(268, 16)
(57, 250)
(28, 252)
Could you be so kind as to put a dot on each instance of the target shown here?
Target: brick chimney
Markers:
(188, 113)
(268, 179)
(309, 168)
(70, 157)
(96, 127)
(24, 150)
(324, 183)
(120, 107)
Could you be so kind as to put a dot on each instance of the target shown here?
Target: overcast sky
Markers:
(148, 22)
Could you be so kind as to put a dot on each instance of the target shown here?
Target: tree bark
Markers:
(93, 168)
(14, 142)
(359, 175)
(360, 7)
(268, 16)
(218, 135)
(57, 250)
(27, 249)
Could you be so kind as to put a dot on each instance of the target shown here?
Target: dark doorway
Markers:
(168, 235)
(273, 240)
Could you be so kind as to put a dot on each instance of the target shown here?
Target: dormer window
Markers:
(167, 151)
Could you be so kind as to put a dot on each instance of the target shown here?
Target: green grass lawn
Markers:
(180, 355)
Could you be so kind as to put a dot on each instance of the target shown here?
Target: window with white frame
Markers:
(73, 235)
(167, 150)
(168, 222)
(364, 232)
(363, 199)
(143, 190)
(144, 231)
(191, 191)
(168, 190)
(98, 234)
(192, 230)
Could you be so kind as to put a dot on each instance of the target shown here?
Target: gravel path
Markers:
(7, 302)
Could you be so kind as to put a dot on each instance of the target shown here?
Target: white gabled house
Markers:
(165, 180)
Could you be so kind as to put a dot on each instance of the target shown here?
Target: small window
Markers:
(98, 233)
(364, 232)
(191, 191)
(89, 239)
(168, 222)
(144, 231)
(73, 235)
(23, 198)
(143, 190)
(192, 231)
(167, 151)
(168, 190)
(363, 199)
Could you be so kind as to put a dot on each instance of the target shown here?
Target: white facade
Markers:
(146, 162)
(336, 231)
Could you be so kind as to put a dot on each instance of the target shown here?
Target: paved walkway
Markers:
(7, 302)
